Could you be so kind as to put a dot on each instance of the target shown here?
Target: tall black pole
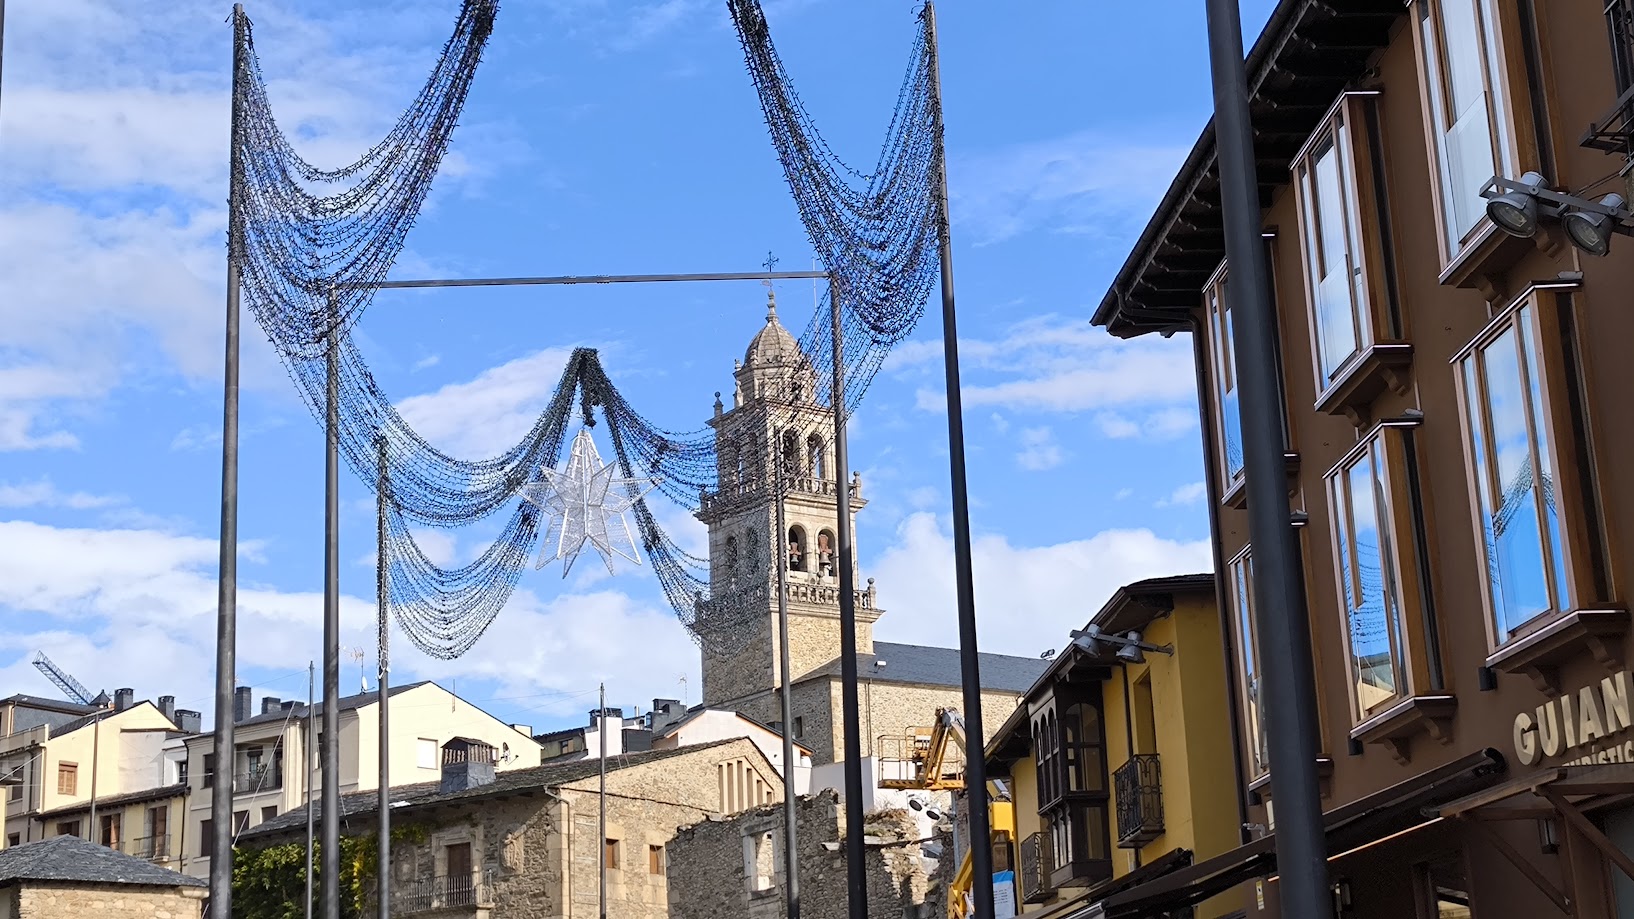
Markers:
(856, 878)
(221, 790)
(791, 863)
(981, 837)
(601, 804)
(306, 781)
(383, 654)
(329, 849)
(1284, 629)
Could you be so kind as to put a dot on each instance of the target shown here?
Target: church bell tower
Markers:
(775, 418)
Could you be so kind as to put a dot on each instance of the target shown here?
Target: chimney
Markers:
(467, 764)
(122, 699)
(167, 708)
(526, 730)
(241, 704)
(187, 721)
(270, 704)
(615, 714)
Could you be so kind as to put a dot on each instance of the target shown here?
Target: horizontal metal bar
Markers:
(589, 279)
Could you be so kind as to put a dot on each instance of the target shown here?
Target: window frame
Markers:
(69, 771)
(1222, 366)
(1388, 448)
(1513, 141)
(1066, 801)
(1245, 629)
(1543, 364)
(1348, 130)
(419, 750)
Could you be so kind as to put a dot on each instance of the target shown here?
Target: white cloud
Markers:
(1160, 425)
(1122, 494)
(1039, 450)
(1027, 597)
(430, 360)
(1190, 493)
(489, 414)
(1083, 183)
(1051, 364)
(42, 493)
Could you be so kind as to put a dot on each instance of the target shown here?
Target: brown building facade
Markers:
(1457, 421)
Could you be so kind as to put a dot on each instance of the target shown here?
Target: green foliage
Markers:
(269, 883)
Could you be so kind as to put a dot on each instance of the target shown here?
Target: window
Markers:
(207, 838)
(241, 822)
(655, 860)
(158, 830)
(67, 779)
(1247, 635)
(1372, 494)
(760, 862)
(1620, 25)
(609, 854)
(110, 830)
(799, 726)
(181, 772)
(269, 812)
(1445, 889)
(14, 839)
(457, 867)
(1069, 748)
(68, 828)
(1228, 413)
(425, 753)
(797, 549)
(816, 457)
(1530, 481)
(17, 771)
(1470, 124)
(209, 770)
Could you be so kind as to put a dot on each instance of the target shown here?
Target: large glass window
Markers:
(1466, 104)
(1529, 477)
(1242, 601)
(1229, 413)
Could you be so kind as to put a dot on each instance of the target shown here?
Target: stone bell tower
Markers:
(775, 418)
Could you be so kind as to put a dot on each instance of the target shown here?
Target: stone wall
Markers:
(77, 901)
(731, 868)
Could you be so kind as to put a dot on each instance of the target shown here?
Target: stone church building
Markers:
(775, 407)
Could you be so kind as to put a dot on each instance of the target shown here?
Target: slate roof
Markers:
(428, 794)
(698, 711)
(55, 705)
(70, 859)
(132, 797)
(346, 703)
(938, 667)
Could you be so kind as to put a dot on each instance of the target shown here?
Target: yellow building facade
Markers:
(1118, 765)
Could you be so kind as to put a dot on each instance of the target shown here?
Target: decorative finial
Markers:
(718, 405)
(770, 265)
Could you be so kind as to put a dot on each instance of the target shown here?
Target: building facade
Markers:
(1455, 429)
(1118, 762)
(66, 877)
(270, 746)
(777, 421)
(526, 844)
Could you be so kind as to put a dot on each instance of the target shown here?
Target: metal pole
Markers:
(569, 279)
(306, 779)
(329, 849)
(856, 880)
(981, 836)
(601, 806)
(96, 744)
(221, 792)
(383, 601)
(1284, 629)
(791, 869)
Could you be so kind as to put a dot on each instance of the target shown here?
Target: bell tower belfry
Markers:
(775, 418)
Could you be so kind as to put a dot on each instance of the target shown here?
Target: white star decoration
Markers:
(580, 498)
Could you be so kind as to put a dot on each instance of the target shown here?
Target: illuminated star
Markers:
(586, 503)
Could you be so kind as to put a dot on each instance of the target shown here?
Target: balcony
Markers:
(152, 848)
(1034, 873)
(459, 892)
(255, 781)
(1138, 787)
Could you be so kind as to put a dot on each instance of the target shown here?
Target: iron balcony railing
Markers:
(1138, 787)
(462, 891)
(1034, 867)
(152, 848)
(266, 778)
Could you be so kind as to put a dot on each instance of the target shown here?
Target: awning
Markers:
(1080, 905)
(1366, 820)
(1563, 793)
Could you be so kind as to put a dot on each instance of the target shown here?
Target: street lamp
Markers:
(1519, 208)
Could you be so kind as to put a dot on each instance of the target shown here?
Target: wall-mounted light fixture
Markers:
(1131, 647)
(1548, 836)
(1341, 897)
(1519, 207)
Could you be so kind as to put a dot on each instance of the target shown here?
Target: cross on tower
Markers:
(770, 264)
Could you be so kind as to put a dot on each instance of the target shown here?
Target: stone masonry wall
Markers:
(80, 901)
(710, 866)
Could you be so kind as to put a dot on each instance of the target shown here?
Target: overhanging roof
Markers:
(1309, 52)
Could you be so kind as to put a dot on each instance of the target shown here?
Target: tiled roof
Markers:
(55, 705)
(132, 797)
(346, 703)
(429, 794)
(71, 859)
(894, 663)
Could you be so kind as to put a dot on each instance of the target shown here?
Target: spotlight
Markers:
(1591, 231)
(1516, 212)
(1131, 652)
(1090, 640)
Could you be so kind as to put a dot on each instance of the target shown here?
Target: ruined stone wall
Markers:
(52, 901)
(718, 868)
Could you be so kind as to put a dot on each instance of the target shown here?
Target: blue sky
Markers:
(601, 136)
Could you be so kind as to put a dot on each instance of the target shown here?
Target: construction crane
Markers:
(921, 756)
(72, 688)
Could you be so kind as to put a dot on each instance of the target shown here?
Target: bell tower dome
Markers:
(775, 418)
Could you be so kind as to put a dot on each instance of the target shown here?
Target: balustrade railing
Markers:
(1138, 786)
(152, 848)
(266, 778)
(1035, 869)
(453, 892)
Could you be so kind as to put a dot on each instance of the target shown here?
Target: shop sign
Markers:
(1587, 723)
